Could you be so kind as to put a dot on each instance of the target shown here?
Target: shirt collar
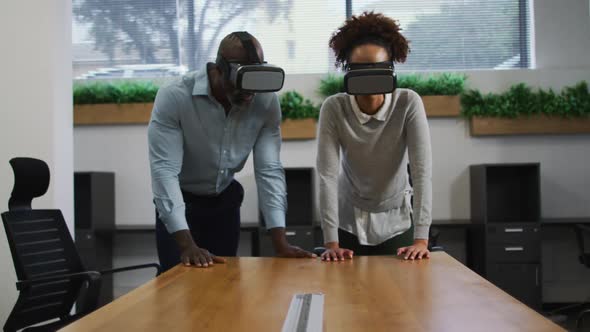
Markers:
(201, 86)
(381, 114)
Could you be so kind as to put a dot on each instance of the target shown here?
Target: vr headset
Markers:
(256, 75)
(370, 78)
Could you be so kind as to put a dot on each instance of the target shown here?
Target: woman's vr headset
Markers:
(256, 75)
(370, 78)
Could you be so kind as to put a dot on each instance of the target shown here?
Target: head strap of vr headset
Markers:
(247, 42)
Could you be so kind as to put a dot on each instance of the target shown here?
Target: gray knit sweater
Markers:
(365, 164)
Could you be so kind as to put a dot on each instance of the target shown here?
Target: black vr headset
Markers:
(370, 78)
(256, 75)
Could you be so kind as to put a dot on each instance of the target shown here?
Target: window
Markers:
(156, 38)
(167, 37)
(460, 34)
(291, 49)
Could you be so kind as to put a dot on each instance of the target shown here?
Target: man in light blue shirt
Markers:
(200, 134)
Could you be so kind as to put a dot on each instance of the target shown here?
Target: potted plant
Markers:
(440, 93)
(299, 116)
(522, 110)
(127, 102)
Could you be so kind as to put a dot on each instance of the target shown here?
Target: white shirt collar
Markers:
(380, 115)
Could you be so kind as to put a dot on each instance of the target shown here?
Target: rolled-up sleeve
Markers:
(268, 170)
(165, 142)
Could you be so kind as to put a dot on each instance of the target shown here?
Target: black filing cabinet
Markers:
(94, 211)
(299, 219)
(505, 239)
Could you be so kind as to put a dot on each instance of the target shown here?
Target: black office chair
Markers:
(51, 276)
(582, 233)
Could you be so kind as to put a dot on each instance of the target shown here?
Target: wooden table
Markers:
(366, 294)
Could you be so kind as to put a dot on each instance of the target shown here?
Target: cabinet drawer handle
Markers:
(513, 230)
(290, 233)
(513, 248)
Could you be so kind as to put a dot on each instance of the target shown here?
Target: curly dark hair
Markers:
(369, 28)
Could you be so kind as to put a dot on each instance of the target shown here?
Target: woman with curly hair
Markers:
(364, 145)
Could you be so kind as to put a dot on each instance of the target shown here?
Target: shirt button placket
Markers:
(224, 154)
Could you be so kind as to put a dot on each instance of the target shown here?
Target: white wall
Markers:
(36, 111)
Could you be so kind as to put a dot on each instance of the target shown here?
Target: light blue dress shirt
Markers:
(195, 147)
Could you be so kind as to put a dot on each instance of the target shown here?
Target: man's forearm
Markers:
(279, 238)
(183, 239)
(282, 246)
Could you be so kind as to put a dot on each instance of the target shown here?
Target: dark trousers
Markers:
(350, 241)
(214, 222)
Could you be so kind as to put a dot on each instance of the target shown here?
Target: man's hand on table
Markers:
(418, 250)
(335, 253)
(190, 253)
(284, 249)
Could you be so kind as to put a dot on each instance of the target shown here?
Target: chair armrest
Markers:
(134, 267)
(90, 276)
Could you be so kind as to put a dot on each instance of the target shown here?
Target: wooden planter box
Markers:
(442, 106)
(139, 113)
(298, 129)
(117, 114)
(112, 114)
(529, 125)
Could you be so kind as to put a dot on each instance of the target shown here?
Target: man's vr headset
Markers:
(370, 78)
(254, 76)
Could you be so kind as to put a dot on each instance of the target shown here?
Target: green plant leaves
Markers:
(432, 85)
(294, 106)
(520, 99)
(115, 92)
(331, 85)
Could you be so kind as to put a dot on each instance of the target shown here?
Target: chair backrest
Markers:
(31, 179)
(41, 246)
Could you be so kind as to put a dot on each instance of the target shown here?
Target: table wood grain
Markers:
(365, 294)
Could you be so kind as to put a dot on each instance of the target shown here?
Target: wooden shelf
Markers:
(529, 125)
